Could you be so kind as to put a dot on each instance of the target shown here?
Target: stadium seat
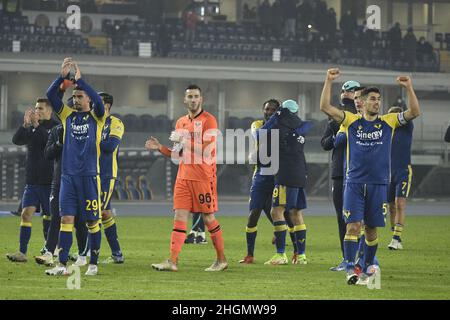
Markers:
(131, 121)
(233, 123)
(246, 122)
(162, 123)
(130, 187)
(147, 121)
(144, 189)
(119, 190)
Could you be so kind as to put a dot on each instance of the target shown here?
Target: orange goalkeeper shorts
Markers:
(195, 196)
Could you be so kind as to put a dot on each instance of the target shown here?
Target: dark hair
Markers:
(272, 102)
(107, 98)
(368, 90)
(77, 88)
(43, 100)
(193, 87)
(395, 109)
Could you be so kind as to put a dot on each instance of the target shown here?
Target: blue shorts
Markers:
(107, 191)
(400, 184)
(37, 196)
(261, 191)
(366, 202)
(80, 195)
(290, 198)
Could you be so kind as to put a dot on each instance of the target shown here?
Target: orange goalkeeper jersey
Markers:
(198, 161)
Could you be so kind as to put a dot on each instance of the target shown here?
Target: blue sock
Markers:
(251, 239)
(82, 236)
(53, 234)
(110, 227)
(291, 230)
(95, 238)
(25, 235)
(350, 250)
(65, 242)
(293, 239)
(370, 251)
(300, 234)
(46, 220)
(280, 235)
(361, 247)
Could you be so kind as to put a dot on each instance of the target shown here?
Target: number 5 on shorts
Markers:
(385, 211)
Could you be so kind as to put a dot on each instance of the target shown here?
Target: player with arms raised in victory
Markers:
(80, 180)
(368, 166)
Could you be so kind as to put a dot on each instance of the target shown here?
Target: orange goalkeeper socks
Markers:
(217, 239)
(177, 239)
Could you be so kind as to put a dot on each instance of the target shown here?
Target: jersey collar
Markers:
(189, 117)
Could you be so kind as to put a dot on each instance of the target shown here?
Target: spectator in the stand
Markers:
(265, 17)
(164, 41)
(424, 51)
(190, 20)
(395, 42)
(410, 47)
(290, 16)
(331, 22)
(320, 16)
(366, 38)
(248, 13)
(304, 13)
(348, 25)
(277, 18)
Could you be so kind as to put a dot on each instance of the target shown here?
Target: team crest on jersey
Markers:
(346, 213)
(360, 127)
(378, 126)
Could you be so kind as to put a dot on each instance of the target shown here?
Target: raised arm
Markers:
(53, 92)
(413, 103)
(325, 99)
(99, 108)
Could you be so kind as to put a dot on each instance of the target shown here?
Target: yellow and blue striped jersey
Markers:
(257, 124)
(82, 136)
(401, 148)
(254, 127)
(368, 149)
(113, 129)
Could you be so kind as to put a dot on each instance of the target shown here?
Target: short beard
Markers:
(195, 109)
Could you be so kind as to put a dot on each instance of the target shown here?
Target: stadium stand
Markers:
(246, 41)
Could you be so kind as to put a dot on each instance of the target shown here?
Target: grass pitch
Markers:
(418, 272)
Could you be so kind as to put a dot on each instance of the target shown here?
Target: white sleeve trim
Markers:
(401, 118)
